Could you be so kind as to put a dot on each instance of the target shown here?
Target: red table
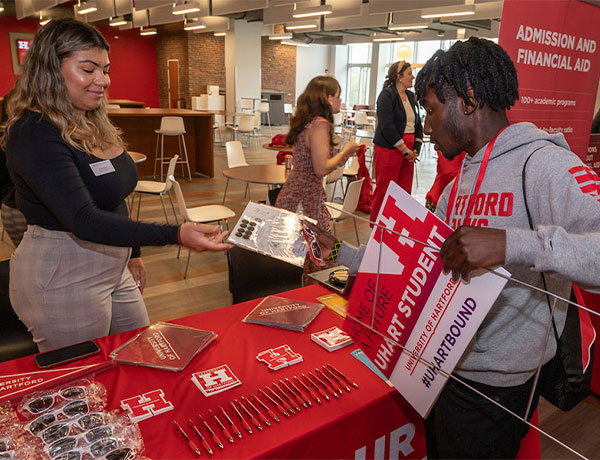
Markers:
(371, 421)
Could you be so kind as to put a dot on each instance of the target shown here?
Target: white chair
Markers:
(340, 212)
(361, 120)
(351, 172)
(263, 107)
(288, 111)
(235, 157)
(200, 214)
(338, 118)
(332, 178)
(247, 105)
(157, 188)
(171, 126)
(245, 126)
(218, 127)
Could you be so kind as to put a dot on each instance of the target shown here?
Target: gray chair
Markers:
(15, 339)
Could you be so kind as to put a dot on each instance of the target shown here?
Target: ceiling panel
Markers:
(220, 7)
(285, 2)
(214, 24)
(39, 5)
(357, 22)
(283, 14)
(387, 6)
(164, 15)
(123, 7)
(140, 18)
(24, 8)
(147, 4)
(106, 9)
(344, 8)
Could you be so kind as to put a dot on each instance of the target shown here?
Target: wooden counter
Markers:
(138, 127)
(128, 103)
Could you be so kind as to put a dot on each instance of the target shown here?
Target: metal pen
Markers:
(190, 443)
(252, 419)
(275, 403)
(218, 422)
(202, 438)
(287, 398)
(244, 422)
(307, 401)
(264, 419)
(335, 377)
(265, 407)
(310, 392)
(235, 429)
(212, 433)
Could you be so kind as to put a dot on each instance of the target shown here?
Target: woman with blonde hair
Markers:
(70, 280)
(311, 134)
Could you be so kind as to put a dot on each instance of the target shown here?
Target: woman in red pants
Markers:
(399, 133)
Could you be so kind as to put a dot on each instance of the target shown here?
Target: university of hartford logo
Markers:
(587, 179)
(146, 405)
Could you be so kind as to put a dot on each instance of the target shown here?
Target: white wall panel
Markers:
(310, 62)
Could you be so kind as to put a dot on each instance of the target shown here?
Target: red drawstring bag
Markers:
(366, 192)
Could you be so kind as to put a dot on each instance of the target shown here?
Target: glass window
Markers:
(358, 85)
(360, 53)
(426, 49)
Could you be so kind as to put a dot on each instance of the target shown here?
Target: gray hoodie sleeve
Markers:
(563, 198)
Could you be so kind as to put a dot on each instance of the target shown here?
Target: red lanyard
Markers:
(480, 175)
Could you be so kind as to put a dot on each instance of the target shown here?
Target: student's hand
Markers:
(325, 240)
(203, 237)
(412, 156)
(350, 148)
(138, 271)
(470, 248)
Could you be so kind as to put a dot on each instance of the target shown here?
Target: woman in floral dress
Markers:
(311, 134)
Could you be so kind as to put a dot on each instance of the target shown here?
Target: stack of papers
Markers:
(164, 346)
(216, 380)
(291, 314)
(332, 338)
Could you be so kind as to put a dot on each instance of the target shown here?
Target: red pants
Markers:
(390, 165)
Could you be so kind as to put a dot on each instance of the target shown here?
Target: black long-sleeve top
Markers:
(57, 189)
(391, 119)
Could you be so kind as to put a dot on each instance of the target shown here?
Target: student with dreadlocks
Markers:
(466, 92)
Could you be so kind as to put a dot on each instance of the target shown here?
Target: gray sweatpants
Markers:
(67, 290)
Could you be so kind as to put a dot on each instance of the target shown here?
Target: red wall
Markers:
(133, 61)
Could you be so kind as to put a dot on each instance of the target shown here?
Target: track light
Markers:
(148, 31)
(194, 24)
(86, 7)
(220, 34)
(388, 39)
(186, 7)
(301, 26)
(43, 21)
(446, 11)
(281, 37)
(294, 43)
(407, 27)
(1, 7)
(118, 21)
(312, 11)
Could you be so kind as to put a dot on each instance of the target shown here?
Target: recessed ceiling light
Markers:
(194, 25)
(407, 27)
(445, 11)
(220, 34)
(301, 26)
(312, 11)
(388, 39)
(186, 7)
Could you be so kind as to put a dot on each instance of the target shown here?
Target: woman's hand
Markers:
(325, 240)
(350, 148)
(203, 237)
(138, 271)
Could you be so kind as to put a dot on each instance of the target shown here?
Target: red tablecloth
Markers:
(372, 421)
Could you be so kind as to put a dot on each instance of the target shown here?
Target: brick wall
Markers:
(202, 62)
(278, 64)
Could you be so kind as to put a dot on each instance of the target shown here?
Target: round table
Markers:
(137, 157)
(279, 148)
(271, 175)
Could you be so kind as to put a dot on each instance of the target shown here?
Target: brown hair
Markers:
(41, 88)
(397, 68)
(313, 102)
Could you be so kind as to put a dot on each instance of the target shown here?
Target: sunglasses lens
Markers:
(103, 447)
(3, 446)
(41, 422)
(73, 393)
(98, 433)
(55, 432)
(73, 455)
(120, 454)
(40, 404)
(61, 446)
(87, 422)
(75, 408)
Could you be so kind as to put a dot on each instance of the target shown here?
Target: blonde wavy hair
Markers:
(41, 87)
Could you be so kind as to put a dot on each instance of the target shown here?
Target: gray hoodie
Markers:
(564, 200)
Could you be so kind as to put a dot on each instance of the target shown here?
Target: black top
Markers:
(57, 189)
(7, 188)
(391, 119)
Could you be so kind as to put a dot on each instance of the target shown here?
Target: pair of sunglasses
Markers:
(69, 410)
(125, 453)
(63, 430)
(44, 403)
(67, 449)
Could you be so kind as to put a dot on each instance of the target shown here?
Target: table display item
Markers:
(272, 232)
(333, 278)
(284, 313)
(216, 380)
(66, 354)
(335, 303)
(312, 243)
(280, 357)
(332, 338)
(164, 346)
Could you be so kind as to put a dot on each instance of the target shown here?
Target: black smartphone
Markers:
(64, 355)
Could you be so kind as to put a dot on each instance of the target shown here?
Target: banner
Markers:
(417, 307)
(555, 48)
(592, 159)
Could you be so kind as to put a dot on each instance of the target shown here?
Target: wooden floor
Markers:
(169, 296)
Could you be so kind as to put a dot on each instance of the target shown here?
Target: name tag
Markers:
(100, 168)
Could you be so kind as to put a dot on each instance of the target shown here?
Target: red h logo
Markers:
(147, 405)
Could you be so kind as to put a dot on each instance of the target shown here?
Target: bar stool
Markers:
(171, 126)
(263, 107)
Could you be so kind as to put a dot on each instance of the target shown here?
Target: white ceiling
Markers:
(351, 21)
